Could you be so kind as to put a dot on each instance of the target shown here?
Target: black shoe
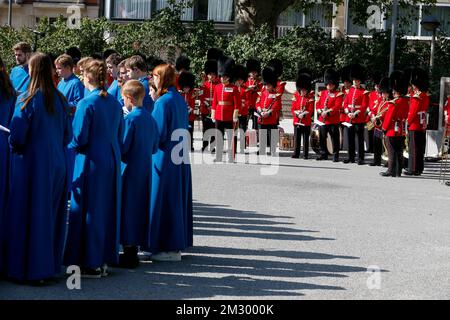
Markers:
(346, 161)
(295, 157)
(375, 164)
(306, 158)
(322, 157)
(408, 173)
(361, 163)
(386, 174)
(447, 183)
(335, 159)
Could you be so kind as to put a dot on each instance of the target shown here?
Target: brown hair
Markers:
(6, 87)
(22, 46)
(136, 62)
(84, 61)
(97, 70)
(41, 78)
(122, 64)
(167, 76)
(114, 59)
(65, 60)
(134, 89)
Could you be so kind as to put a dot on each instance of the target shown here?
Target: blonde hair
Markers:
(167, 78)
(134, 89)
(65, 60)
(84, 61)
(97, 71)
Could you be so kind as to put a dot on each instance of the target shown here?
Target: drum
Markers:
(314, 140)
(287, 141)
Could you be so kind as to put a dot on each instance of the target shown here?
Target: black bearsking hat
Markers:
(153, 62)
(304, 82)
(376, 77)
(331, 76)
(269, 76)
(240, 72)
(183, 62)
(398, 82)
(420, 79)
(107, 53)
(186, 79)
(357, 72)
(384, 85)
(75, 53)
(210, 67)
(345, 74)
(225, 67)
(214, 54)
(277, 66)
(253, 65)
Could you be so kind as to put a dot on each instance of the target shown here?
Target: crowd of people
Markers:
(98, 131)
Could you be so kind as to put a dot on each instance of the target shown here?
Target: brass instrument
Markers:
(324, 112)
(376, 121)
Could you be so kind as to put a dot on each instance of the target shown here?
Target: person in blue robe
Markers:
(137, 70)
(114, 90)
(19, 75)
(171, 226)
(112, 63)
(140, 141)
(7, 101)
(94, 217)
(36, 214)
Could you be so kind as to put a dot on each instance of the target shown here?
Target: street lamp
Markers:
(430, 23)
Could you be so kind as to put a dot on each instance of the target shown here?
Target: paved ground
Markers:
(308, 232)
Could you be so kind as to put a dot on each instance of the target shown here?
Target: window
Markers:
(321, 13)
(217, 10)
(442, 13)
(291, 17)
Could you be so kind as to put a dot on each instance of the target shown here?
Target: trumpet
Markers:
(376, 120)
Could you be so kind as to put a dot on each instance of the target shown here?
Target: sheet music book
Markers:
(348, 125)
(320, 123)
(2, 128)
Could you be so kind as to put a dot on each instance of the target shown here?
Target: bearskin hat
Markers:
(226, 67)
(357, 72)
(183, 62)
(269, 76)
(214, 54)
(304, 81)
(277, 66)
(210, 67)
(345, 74)
(153, 62)
(186, 79)
(107, 53)
(398, 82)
(253, 65)
(385, 85)
(240, 72)
(331, 76)
(75, 53)
(420, 79)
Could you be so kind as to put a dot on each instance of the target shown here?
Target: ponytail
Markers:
(97, 71)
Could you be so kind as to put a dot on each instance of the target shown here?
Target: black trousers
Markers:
(223, 127)
(191, 133)
(371, 141)
(254, 118)
(207, 125)
(416, 145)
(299, 132)
(377, 149)
(333, 130)
(395, 146)
(271, 132)
(358, 131)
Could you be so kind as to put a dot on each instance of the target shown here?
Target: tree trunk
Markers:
(250, 14)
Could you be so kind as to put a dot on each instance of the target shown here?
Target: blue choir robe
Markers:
(6, 113)
(73, 90)
(36, 215)
(94, 217)
(20, 79)
(115, 91)
(140, 141)
(148, 101)
(171, 213)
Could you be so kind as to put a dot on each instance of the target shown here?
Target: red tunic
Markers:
(417, 117)
(395, 121)
(206, 97)
(447, 108)
(301, 105)
(343, 116)
(356, 100)
(375, 99)
(190, 101)
(226, 100)
(245, 97)
(254, 87)
(330, 100)
(269, 102)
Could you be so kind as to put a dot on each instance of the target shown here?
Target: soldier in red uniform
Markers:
(186, 82)
(374, 96)
(268, 110)
(328, 110)
(347, 84)
(240, 76)
(254, 87)
(182, 64)
(377, 114)
(302, 112)
(355, 106)
(277, 66)
(394, 124)
(206, 97)
(417, 122)
(225, 107)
